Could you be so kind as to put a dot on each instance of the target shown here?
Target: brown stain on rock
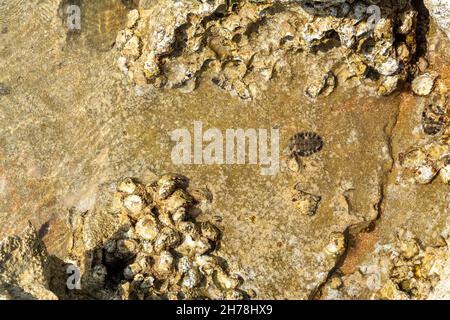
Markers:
(362, 245)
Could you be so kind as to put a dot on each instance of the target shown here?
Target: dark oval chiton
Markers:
(304, 144)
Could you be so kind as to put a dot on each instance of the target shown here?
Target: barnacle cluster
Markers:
(246, 43)
(142, 242)
(406, 268)
(434, 117)
(415, 268)
(424, 162)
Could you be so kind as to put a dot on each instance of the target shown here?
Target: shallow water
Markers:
(71, 122)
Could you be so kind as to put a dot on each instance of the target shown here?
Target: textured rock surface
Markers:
(244, 44)
(70, 121)
(440, 11)
(24, 267)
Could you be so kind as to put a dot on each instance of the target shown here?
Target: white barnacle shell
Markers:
(234, 295)
(388, 85)
(425, 173)
(188, 227)
(192, 278)
(133, 203)
(445, 174)
(132, 18)
(129, 233)
(209, 231)
(388, 67)
(164, 263)
(336, 244)
(122, 65)
(207, 264)
(407, 22)
(413, 158)
(126, 248)
(226, 281)
(165, 218)
(347, 35)
(179, 215)
(169, 183)
(142, 260)
(383, 29)
(313, 32)
(423, 84)
(110, 246)
(194, 247)
(184, 264)
(147, 228)
(126, 186)
(166, 239)
(131, 48)
(122, 38)
(138, 279)
(147, 283)
(179, 199)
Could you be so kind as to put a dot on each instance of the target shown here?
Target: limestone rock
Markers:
(24, 267)
(440, 11)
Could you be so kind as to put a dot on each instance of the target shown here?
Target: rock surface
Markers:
(24, 268)
(245, 44)
(440, 11)
(331, 216)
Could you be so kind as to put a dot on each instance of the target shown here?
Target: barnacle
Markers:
(157, 250)
(243, 45)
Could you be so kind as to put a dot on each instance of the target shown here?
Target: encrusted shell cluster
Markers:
(160, 251)
(434, 115)
(425, 162)
(416, 269)
(244, 44)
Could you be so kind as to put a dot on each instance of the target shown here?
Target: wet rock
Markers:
(440, 11)
(4, 90)
(24, 267)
